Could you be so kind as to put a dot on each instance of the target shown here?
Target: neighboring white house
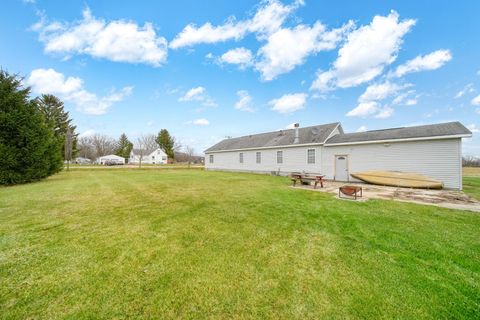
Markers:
(110, 159)
(157, 156)
(433, 150)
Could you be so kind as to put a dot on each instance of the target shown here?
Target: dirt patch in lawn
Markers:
(441, 198)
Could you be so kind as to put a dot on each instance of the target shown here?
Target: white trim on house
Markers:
(335, 131)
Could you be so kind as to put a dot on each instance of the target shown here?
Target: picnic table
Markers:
(306, 178)
(351, 191)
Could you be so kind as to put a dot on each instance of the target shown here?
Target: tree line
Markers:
(471, 161)
(97, 145)
(37, 136)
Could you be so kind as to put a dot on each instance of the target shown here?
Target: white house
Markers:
(110, 159)
(157, 156)
(433, 150)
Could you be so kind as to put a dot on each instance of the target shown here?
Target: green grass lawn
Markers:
(471, 182)
(195, 244)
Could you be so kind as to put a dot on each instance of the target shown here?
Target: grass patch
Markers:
(191, 244)
(471, 181)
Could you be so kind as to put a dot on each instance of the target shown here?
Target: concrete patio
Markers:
(440, 198)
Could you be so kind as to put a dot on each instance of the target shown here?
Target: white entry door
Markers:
(341, 168)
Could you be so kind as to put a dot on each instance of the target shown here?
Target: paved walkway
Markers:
(441, 198)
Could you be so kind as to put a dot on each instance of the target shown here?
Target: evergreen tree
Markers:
(29, 148)
(54, 112)
(124, 147)
(166, 143)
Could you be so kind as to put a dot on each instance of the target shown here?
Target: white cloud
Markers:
(291, 126)
(198, 94)
(369, 102)
(364, 109)
(371, 108)
(207, 33)
(267, 19)
(199, 122)
(411, 102)
(87, 133)
(239, 56)
(430, 61)
(365, 53)
(194, 94)
(406, 98)
(476, 101)
(245, 101)
(380, 91)
(384, 112)
(362, 129)
(472, 127)
(289, 103)
(119, 40)
(49, 81)
(286, 48)
(467, 89)
(270, 16)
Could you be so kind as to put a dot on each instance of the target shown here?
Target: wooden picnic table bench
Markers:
(307, 179)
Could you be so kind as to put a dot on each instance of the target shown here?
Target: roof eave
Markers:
(400, 140)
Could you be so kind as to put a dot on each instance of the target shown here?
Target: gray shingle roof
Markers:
(433, 130)
(314, 134)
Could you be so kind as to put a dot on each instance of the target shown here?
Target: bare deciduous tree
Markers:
(146, 144)
(190, 153)
(85, 148)
(68, 147)
(149, 142)
(102, 145)
(470, 161)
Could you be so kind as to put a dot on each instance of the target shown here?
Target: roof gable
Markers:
(143, 152)
(315, 134)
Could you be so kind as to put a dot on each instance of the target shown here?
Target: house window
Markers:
(279, 156)
(311, 156)
(211, 158)
(153, 157)
(240, 157)
(259, 157)
(164, 158)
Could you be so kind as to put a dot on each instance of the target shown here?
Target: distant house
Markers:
(81, 160)
(433, 150)
(110, 159)
(157, 156)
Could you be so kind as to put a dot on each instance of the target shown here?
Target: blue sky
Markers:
(210, 69)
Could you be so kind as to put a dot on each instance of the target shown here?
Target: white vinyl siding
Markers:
(293, 159)
(439, 159)
(240, 157)
(311, 156)
(258, 157)
(279, 157)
